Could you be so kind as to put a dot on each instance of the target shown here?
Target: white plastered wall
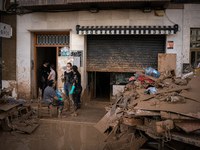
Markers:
(65, 21)
(191, 20)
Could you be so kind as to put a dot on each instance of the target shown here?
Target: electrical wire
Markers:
(179, 28)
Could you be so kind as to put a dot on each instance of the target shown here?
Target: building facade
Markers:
(112, 44)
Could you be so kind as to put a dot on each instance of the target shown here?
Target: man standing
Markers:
(44, 71)
(50, 97)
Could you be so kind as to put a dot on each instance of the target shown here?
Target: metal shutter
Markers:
(123, 53)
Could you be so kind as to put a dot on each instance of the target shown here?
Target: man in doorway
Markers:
(50, 97)
(44, 71)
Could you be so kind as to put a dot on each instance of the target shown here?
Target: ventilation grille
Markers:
(52, 39)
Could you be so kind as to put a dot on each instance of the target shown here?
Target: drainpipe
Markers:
(0, 59)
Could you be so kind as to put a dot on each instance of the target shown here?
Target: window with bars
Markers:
(195, 48)
(52, 39)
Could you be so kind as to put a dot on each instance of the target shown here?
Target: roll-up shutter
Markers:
(123, 53)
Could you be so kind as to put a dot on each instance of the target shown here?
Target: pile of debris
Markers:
(159, 109)
(15, 115)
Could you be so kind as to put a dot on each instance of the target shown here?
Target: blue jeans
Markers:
(67, 88)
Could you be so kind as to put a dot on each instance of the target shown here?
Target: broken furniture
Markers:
(172, 113)
(15, 115)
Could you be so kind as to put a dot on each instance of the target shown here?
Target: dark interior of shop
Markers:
(103, 86)
(44, 53)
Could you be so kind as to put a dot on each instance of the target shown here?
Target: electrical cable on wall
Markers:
(179, 28)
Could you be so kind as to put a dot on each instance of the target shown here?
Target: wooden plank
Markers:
(188, 126)
(189, 108)
(186, 138)
(7, 107)
(133, 121)
(146, 113)
(29, 129)
(150, 77)
(166, 62)
(193, 92)
(145, 97)
(174, 89)
(174, 116)
(35, 67)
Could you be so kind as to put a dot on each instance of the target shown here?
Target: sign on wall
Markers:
(5, 30)
(170, 44)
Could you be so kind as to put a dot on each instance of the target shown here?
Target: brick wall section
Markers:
(9, 50)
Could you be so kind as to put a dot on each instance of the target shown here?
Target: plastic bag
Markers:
(152, 72)
(153, 90)
(58, 93)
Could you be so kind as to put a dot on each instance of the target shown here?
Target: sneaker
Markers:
(74, 114)
(59, 114)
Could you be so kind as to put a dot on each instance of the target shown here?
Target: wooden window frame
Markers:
(194, 49)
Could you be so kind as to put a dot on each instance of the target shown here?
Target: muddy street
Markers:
(66, 133)
(51, 134)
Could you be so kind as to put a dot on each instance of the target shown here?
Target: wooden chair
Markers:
(43, 109)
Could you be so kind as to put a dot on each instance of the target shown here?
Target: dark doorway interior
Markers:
(44, 53)
(103, 86)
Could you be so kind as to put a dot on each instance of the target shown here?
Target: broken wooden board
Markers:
(132, 121)
(143, 98)
(107, 121)
(174, 116)
(194, 91)
(128, 143)
(190, 108)
(188, 126)
(7, 107)
(3, 114)
(28, 129)
(166, 62)
(173, 90)
(191, 139)
(140, 112)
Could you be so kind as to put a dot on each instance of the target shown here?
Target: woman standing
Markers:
(68, 80)
(52, 75)
(76, 88)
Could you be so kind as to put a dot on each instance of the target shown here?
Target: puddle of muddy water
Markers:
(55, 135)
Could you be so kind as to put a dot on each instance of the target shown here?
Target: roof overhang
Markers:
(126, 30)
(76, 5)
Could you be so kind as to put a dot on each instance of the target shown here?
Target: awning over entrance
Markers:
(126, 30)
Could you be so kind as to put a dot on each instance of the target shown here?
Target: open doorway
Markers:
(103, 86)
(44, 53)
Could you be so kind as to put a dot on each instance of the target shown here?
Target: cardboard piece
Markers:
(166, 62)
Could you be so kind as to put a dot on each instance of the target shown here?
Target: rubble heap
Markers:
(163, 109)
(15, 115)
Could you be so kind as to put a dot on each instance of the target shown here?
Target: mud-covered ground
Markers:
(69, 133)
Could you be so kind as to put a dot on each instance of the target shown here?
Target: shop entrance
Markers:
(45, 53)
(103, 86)
(47, 46)
(99, 86)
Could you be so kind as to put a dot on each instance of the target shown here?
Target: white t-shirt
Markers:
(53, 75)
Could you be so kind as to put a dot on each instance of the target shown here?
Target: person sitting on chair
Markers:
(50, 97)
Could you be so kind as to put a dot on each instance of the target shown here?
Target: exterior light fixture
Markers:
(147, 10)
(94, 10)
(159, 13)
